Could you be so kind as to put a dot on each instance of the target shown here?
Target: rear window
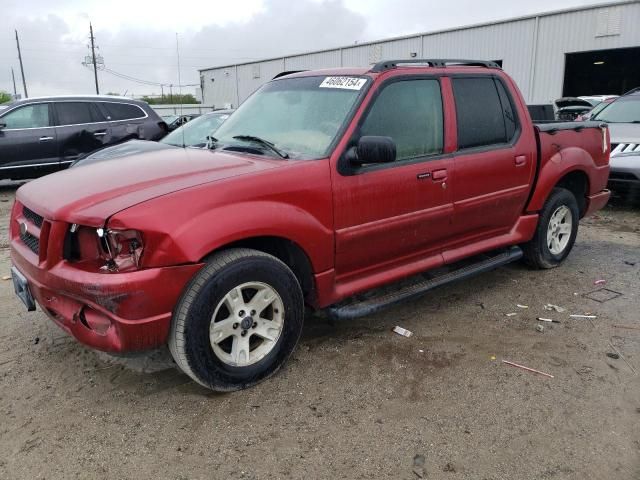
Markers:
(484, 112)
(122, 111)
(74, 113)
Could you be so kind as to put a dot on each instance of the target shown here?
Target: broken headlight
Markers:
(121, 249)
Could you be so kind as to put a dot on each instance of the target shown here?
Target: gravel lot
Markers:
(356, 400)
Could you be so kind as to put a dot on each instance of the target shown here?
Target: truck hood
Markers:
(91, 194)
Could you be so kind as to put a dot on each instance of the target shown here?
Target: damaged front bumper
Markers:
(113, 312)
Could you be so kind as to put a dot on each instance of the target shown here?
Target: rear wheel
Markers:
(238, 320)
(556, 231)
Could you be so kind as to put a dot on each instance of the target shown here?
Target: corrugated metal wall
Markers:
(532, 51)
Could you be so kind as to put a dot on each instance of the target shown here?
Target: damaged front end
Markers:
(92, 281)
(110, 250)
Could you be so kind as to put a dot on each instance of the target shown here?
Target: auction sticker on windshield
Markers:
(349, 83)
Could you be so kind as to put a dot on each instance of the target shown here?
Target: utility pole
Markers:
(15, 92)
(93, 56)
(24, 82)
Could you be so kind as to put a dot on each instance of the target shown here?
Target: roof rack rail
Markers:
(633, 90)
(432, 62)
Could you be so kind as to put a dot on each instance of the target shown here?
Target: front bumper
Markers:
(113, 312)
(624, 172)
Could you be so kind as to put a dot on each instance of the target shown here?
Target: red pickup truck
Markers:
(322, 185)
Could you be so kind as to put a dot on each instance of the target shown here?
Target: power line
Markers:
(146, 82)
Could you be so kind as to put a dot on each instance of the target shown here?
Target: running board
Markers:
(385, 300)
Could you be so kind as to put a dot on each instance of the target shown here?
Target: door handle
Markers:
(437, 175)
(99, 134)
(520, 160)
(45, 139)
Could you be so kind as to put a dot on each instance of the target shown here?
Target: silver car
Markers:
(623, 117)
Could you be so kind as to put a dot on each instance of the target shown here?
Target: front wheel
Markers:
(556, 231)
(238, 320)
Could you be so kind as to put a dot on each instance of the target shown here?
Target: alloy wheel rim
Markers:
(246, 324)
(559, 230)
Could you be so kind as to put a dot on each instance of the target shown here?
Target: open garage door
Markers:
(601, 72)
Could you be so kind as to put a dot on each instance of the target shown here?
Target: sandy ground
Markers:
(356, 400)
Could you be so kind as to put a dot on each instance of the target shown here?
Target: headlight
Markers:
(121, 249)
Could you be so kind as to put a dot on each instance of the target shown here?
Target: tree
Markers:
(175, 99)
(5, 97)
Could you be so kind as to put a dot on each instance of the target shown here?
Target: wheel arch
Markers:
(577, 182)
(287, 251)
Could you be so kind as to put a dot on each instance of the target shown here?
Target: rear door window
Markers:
(29, 116)
(484, 112)
(410, 112)
(122, 111)
(75, 113)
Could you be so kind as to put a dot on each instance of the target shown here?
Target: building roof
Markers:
(433, 32)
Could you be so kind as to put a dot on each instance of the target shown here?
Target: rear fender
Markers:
(561, 163)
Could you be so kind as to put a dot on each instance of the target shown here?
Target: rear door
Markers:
(387, 214)
(81, 129)
(127, 121)
(28, 141)
(494, 163)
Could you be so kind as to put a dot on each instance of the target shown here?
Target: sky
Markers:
(140, 39)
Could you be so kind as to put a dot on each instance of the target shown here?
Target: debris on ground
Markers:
(421, 351)
(549, 320)
(539, 328)
(481, 305)
(418, 465)
(511, 314)
(527, 368)
(6, 277)
(600, 281)
(551, 306)
(627, 262)
(36, 340)
(602, 295)
(583, 316)
(520, 306)
(402, 331)
(629, 327)
(492, 357)
(613, 355)
(449, 468)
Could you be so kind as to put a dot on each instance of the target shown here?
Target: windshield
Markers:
(622, 110)
(196, 131)
(300, 116)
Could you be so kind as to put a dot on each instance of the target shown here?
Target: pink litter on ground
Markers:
(602, 281)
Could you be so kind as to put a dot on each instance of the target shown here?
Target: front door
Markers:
(389, 214)
(27, 142)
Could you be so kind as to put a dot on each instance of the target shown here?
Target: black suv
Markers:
(46, 134)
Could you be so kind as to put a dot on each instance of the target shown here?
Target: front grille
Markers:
(617, 148)
(31, 241)
(32, 216)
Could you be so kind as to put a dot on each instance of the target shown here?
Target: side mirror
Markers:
(374, 149)
(3, 125)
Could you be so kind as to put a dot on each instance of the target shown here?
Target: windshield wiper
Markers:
(263, 142)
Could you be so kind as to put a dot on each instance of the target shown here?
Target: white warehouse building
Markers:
(591, 50)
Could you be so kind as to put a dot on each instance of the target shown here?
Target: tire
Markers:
(221, 302)
(538, 253)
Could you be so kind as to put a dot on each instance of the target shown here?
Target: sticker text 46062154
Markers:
(350, 83)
